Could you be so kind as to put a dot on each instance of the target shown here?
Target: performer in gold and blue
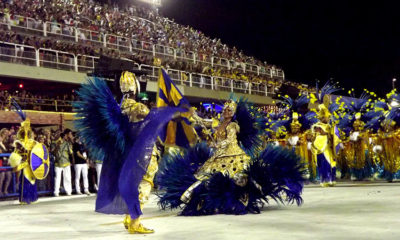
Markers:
(300, 121)
(353, 125)
(389, 139)
(124, 136)
(322, 147)
(31, 158)
(325, 144)
(233, 174)
(276, 128)
(378, 131)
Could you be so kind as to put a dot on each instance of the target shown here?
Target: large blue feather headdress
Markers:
(355, 105)
(300, 106)
(376, 115)
(394, 107)
(328, 89)
(277, 122)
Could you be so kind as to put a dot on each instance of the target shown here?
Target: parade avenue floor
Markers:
(360, 210)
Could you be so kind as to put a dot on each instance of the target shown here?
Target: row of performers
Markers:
(356, 138)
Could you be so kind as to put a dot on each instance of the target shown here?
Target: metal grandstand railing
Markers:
(125, 44)
(26, 55)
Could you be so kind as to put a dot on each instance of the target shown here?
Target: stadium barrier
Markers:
(22, 54)
(67, 32)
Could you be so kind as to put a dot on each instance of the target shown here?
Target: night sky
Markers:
(354, 42)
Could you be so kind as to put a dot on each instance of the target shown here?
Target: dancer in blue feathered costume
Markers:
(124, 136)
(298, 122)
(232, 174)
(388, 137)
(352, 124)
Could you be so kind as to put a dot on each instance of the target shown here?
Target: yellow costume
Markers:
(26, 152)
(322, 148)
(389, 139)
(356, 152)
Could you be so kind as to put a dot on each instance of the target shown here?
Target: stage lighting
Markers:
(21, 85)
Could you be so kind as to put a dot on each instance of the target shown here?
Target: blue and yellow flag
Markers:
(179, 132)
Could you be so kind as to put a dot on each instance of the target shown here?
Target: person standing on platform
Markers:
(81, 166)
(62, 163)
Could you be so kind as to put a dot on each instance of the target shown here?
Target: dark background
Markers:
(354, 42)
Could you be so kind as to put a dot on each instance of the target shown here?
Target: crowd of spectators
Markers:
(37, 101)
(142, 23)
(37, 42)
(149, 27)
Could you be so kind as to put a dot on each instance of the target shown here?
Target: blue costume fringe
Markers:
(27, 191)
(275, 173)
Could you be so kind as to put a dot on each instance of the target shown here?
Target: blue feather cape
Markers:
(124, 147)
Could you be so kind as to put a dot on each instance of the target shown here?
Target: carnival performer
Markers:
(299, 120)
(375, 126)
(384, 137)
(299, 142)
(322, 147)
(235, 175)
(124, 137)
(276, 128)
(30, 158)
(326, 140)
(360, 167)
(354, 114)
(388, 139)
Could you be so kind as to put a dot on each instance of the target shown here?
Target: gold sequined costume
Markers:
(358, 146)
(389, 139)
(228, 157)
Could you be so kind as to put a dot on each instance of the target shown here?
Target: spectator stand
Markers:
(83, 63)
(126, 44)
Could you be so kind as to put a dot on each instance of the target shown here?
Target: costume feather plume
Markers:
(102, 126)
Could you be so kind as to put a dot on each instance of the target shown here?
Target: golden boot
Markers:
(136, 227)
(127, 221)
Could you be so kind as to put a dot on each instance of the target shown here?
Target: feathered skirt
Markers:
(276, 173)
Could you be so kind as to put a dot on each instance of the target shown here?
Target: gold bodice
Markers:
(136, 111)
(358, 125)
(228, 158)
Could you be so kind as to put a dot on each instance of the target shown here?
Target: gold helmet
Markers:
(129, 83)
(230, 104)
(25, 132)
